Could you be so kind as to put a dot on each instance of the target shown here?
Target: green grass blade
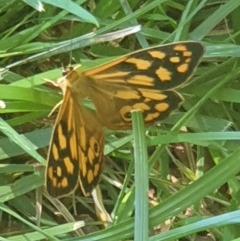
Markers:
(141, 178)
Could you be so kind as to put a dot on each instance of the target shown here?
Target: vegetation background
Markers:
(193, 173)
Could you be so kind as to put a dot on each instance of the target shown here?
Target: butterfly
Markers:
(145, 80)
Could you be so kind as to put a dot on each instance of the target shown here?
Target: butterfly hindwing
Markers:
(156, 105)
(91, 145)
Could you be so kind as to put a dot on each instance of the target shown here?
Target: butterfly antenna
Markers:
(71, 34)
(65, 69)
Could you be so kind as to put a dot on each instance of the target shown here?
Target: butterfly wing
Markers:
(114, 107)
(142, 80)
(164, 67)
(76, 150)
(91, 147)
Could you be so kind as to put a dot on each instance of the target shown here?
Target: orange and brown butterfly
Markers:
(144, 80)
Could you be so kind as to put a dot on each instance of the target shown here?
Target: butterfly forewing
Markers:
(164, 67)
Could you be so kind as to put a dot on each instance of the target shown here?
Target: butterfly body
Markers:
(144, 80)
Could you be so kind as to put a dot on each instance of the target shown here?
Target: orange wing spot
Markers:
(90, 176)
(72, 142)
(153, 96)
(55, 152)
(188, 60)
(187, 54)
(59, 171)
(101, 68)
(93, 144)
(90, 156)
(68, 164)
(125, 113)
(82, 164)
(50, 173)
(70, 120)
(174, 60)
(64, 183)
(116, 77)
(157, 54)
(141, 106)
(61, 137)
(152, 116)
(180, 47)
(162, 107)
(141, 80)
(183, 68)
(83, 137)
(139, 63)
(127, 95)
(96, 169)
(54, 182)
(163, 74)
